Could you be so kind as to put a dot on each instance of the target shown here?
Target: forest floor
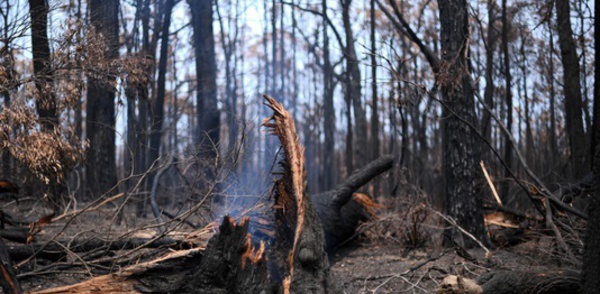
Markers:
(378, 261)
(387, 268)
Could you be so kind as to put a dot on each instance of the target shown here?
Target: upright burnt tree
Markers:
(45, 102)
(453, 76)
(591, 253)
(353, 89)
(101, 169)
(328, 108)
(206, 74)
(508, 96)
(159, 102)
(460, 154)
(572, 89)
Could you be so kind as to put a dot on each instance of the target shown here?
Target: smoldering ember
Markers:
(237, 146)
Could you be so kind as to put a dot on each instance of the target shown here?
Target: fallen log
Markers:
(58, 250)
(339, 212)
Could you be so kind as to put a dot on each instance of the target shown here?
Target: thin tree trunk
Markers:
(158, 107)
(550, 80)
(329, 111)
(374, 107)
(509, 105)
(528, 132)
(353, 87)
(488, 95)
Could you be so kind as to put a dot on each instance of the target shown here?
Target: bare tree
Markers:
(159, 102)
(353, 89)
(460, 154)
(101, 168)
(572, 90)
(488, 94)
(591, 254)
(508, 98)
(374, 106)
(329, 111)
(208, 114)
(460, 151)
(45, 102)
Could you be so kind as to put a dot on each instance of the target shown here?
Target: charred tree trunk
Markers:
(329, 111)
(550, 80)
(45, 100)
(460, 152)
(353, 89)
(42, 69)
(100, 120)
(509, 105)
(591, 254)
(572, 90)
(208, 134)
(596, 108)
(488, 94)
(374, 107)
(156, 129)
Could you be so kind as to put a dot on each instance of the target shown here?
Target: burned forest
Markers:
(344, 146)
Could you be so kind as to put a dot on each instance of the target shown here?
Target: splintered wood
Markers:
(282, 125)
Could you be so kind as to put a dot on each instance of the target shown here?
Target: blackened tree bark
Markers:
(229, 45)
(550, 80)
(591, 253)
(461, 157)
(374, 106)
(454, 79)
(101, 169)
(329, 111)
(596, 110)
(159, 102)
(572, 90)
(353, 89)
(206, 74)
(508, 96)
(488, 94)
(45, 102)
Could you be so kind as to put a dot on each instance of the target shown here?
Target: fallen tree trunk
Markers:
(338, 211)
(58, 250)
